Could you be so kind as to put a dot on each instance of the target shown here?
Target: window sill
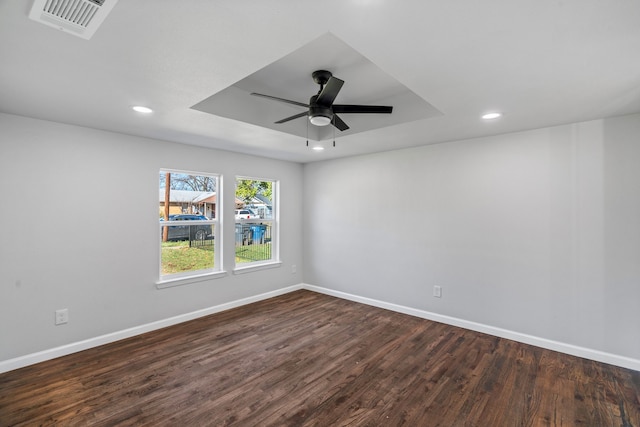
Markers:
(257, 267)
(179, 281)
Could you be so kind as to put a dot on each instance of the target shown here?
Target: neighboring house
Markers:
(192, 202)
(261, 205)
(189, 202)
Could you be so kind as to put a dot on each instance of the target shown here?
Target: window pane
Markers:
(255, 227)
(189, 248)
(253, 241)
(187, 209)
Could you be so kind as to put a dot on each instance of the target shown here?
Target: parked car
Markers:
(263, 211)
(191, 231)
(246, 214)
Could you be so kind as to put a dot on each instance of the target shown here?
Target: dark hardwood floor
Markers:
(306, 359)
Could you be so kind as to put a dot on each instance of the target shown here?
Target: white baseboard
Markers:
(41, 356)
(599, 356)
(587, 353)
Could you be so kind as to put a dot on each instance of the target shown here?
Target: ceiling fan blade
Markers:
(329, 92)
(362, 109)
(338, 123)
(275, 98)
(293, 117)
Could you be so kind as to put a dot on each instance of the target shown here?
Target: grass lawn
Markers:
(178, 257)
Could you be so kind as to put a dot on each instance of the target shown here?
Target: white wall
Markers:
(535, 232)
(79, 231)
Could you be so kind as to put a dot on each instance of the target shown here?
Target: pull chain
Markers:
(334, 132)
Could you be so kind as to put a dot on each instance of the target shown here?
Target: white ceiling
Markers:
(541, 62)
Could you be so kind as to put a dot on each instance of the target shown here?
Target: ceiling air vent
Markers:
(78, 17)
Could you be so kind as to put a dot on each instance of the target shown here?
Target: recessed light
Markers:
(141, 109)
(491, 116)
(318, 148)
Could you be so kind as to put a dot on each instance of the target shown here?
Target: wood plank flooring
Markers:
(306, 359)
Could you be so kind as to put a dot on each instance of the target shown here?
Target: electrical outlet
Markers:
(294, 270)
(437, 291)
(62, 316)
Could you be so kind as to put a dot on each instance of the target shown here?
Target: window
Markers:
(188, 224)
(256, 222)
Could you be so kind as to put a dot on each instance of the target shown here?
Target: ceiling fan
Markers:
(321, 110)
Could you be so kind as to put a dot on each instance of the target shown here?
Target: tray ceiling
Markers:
(290, 78)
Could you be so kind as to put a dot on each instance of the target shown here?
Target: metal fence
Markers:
(253, 242)
(198, 235)
(200, 243)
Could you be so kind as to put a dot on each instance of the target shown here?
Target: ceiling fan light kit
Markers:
(319, 120)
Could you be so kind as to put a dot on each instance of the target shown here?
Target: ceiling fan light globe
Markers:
(320, 120)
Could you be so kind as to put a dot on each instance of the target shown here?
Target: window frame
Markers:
(181, 278)
(274, 261)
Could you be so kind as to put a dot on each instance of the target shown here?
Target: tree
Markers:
(181, 181)
(247, 189)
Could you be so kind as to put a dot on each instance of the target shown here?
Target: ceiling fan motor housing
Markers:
(321, 77)
(317, 111)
